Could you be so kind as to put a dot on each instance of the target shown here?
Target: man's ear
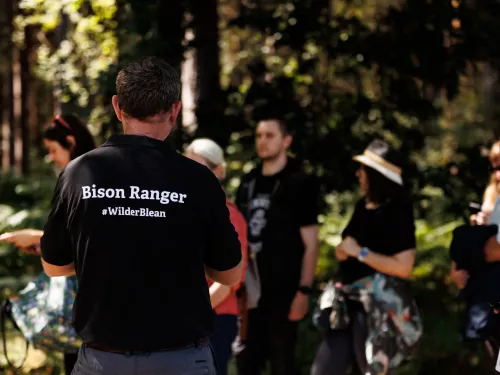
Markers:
(174, 112)
(71, 141)
(116, 107)
(288, 141)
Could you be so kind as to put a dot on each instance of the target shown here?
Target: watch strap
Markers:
(307, 290)
(363, 253)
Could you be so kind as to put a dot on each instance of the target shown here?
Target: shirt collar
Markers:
(137, 140)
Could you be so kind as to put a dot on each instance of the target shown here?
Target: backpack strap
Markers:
(6, 313)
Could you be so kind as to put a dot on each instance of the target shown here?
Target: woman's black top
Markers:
(387, 229)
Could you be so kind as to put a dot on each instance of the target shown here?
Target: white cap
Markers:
(209, 150)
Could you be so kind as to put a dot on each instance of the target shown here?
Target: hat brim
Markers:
(393, 176)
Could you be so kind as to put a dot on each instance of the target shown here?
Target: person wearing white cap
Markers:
(223, 298)
(379, 238)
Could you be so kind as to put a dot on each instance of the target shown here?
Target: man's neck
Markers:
(271, 167)
(155, 130)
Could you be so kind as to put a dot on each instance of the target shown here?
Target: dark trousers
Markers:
(341, 349)
(196, 360)
(226, 328)
(270, 336)
(69, 362)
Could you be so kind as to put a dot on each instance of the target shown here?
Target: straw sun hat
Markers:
(379, 156)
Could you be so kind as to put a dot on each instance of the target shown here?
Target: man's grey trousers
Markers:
(196, 360)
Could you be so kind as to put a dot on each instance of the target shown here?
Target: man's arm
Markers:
(492, 250)
(307, 215)
(54, 271)
(222, 258)
(229, 277)
(309, 236)
(55, 244)
(218, 293)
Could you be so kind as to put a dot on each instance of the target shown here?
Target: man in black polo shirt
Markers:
(141, 225)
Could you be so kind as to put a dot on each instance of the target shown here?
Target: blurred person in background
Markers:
(222, 297)
(491, 193)
(379, 238)
(66, 138)
(475, 255)
(280, 202)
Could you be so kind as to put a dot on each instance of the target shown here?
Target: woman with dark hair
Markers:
(378, 240)
(66, 138)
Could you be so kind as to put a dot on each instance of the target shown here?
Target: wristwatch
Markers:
(304, 289)
(363, 253)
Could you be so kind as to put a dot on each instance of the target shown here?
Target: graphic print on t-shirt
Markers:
(258, 220)
(133, 193)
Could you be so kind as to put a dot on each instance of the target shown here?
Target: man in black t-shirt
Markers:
(280, 202)
(140, 225)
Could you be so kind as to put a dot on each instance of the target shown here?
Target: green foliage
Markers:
(24, 203)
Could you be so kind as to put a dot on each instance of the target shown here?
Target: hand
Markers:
(473, 219)
(22, 239)
(32, 250)
(299, 308)
(460, 277)
(350, 246)
(481, 218)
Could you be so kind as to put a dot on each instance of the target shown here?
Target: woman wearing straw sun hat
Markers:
(378, 242)
(223, 298)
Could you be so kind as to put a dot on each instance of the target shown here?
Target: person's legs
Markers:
(283, 339)
(335, 354)
(226, 328)
(69, 362)
(252, 354)
(359, 335)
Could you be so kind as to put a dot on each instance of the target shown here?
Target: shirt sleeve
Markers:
(223, 249)
(309, 202)
(55, 242)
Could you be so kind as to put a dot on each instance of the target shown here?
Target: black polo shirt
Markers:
(139, 221)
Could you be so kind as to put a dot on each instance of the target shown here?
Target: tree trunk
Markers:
(28, 113)
(210, 102)
(170, 48)
(8, 94)
(60, 34)
(17, 109)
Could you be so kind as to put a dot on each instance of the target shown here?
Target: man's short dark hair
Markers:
(281, 124)
(147, 87)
